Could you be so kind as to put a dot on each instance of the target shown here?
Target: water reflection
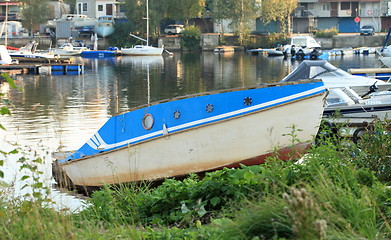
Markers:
(65, 110)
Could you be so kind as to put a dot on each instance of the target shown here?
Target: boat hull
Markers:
(142, 51)
(97, 54)
(104, 31)
(62, 52)
(32, 58)
(247, 136)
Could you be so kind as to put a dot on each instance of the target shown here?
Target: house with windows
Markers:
(12, 8)
(344, 15)
(98, 8)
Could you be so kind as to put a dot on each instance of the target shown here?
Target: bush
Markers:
(121, 38)
(269, 41)
(326, 33)
(191, 37)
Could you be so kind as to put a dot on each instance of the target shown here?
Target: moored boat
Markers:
(28, 53)
(334, 77)
(344, 102)
(143, 50)
(98, 54)
(5, 57)
(105, 26)
(68, 49)
(199, 133)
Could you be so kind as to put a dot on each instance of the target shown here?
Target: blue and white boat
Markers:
(98, 54)
(105, 26)
(28, 53)
(199, 133)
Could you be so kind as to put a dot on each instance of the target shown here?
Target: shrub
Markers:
(375, 150)
(270, 41)
(191, 37)
(121, 38)
(326, 33)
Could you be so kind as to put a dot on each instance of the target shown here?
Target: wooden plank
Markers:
(369, 70)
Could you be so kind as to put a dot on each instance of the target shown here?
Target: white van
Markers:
(174, 29)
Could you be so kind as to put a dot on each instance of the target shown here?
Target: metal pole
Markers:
(6, 23)
(147, 24)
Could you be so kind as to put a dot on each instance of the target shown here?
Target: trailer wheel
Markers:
(358, 133)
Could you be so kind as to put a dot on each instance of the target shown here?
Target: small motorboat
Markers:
(344, 102)
(29, 53)
(334, 77)
(198, 133)
(303, 46)
(68, 49)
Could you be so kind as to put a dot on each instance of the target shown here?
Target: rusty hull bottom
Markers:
(283, 154)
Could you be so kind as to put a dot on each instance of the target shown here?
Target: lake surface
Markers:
(60, 112)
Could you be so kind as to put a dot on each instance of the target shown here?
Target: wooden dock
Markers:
(378, 73)
(45, 68)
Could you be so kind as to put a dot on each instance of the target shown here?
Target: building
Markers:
(345, 16)
(97, 8)
(12, 8)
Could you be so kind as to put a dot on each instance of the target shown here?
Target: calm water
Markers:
(60, 112)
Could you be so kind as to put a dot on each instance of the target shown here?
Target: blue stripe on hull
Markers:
(127, 128)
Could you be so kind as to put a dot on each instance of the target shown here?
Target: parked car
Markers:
(174, 29)
(367, 30)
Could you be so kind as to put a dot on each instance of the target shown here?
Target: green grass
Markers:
(338, 191)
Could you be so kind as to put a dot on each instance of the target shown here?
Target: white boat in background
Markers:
(5, 57)
(143, 50)
(344, 102)
(79, 20)
(334, 77)
(301, 46)
(198, 133)
(68, 49)
(28, 53)
(105, 26)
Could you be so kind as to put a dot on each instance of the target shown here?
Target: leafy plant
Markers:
(326, 33)
(190, 38)
(375, 150)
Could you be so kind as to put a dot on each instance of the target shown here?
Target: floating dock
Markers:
(45, 68)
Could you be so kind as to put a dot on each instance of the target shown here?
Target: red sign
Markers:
(357, 19)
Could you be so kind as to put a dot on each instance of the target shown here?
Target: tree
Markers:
(278, 10)
(185, 9)
(34, 12)
(72, 4)
(241, 13)
(136, 13)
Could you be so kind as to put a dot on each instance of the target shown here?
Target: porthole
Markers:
(209, 108)
(247, 101)
(148, 121)
(177, 114)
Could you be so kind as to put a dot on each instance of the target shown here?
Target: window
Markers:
(345, 5)
(85, 9)
(100, 8)
(326, 6)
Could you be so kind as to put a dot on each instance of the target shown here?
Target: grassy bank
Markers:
(338, 191)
